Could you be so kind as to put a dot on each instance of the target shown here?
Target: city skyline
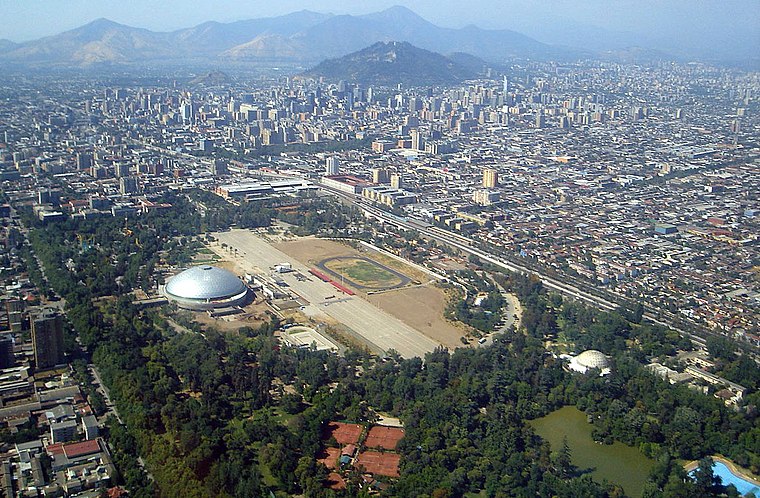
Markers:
(227, 276)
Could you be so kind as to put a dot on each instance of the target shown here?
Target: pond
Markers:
(617, 462)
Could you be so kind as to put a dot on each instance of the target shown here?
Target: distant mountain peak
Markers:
(398, 14)
(102, 22)
(304, 37)
(398, 10)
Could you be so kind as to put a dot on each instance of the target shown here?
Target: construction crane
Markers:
(126, 230)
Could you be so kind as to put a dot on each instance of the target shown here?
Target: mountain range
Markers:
(389, 63)
(303, 38)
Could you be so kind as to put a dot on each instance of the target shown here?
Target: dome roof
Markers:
(592, 359)
(204, 282)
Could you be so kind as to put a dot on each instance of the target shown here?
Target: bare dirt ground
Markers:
(254, 315)
(421, 308)
(310, 250)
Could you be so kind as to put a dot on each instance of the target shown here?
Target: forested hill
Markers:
(390, 63)
(206, 414)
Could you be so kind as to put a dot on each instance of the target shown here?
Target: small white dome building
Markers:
(206, 287)
(588, 360)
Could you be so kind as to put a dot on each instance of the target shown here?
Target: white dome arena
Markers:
(205, 288)
(588, 360)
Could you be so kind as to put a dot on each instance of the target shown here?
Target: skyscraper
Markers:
(490, 178)
(396, 180)
(379, 175)
(128, 185)
(6, 351)
(417, 142)
(47, 339)
(332, 166)
(121, 169)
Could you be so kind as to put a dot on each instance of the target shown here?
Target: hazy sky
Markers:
(690, 21)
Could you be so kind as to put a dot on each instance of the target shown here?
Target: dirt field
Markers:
(343, 433)
(421, 308)
(330, 458)
(386, 438)
(310, 250)
(384, 464)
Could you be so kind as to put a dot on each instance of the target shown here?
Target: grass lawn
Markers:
(363, 272)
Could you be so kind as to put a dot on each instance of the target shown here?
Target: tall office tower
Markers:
(396, 180)
(379, 175)
(490, 178)
(417, 143)
(47, 339)
(6, 351)
(206, 145)
(128, 185)
(84, 161)
(219, 167)
(121, 168)
(332, 166)
(187, 112)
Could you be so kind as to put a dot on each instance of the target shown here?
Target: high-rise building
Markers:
(186, 112)
(206, 145)
(219, 167)
(47, 339)
(121, 168)
(84, 161)
(485, 197)
(540, 120)
(490, 178)
(396, 181)
(6, 351)
(332, 166)
(128, 185)
(417, 142)
(379, 175)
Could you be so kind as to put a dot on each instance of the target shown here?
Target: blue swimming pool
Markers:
(744, 487)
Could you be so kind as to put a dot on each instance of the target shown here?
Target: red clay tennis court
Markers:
(384, 464)
(386, 438)
(335, 481)
(331, 460)
(343, 433)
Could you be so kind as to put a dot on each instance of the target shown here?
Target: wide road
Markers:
(377, 327)
(101, 387)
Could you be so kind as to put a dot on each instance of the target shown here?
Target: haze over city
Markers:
(702, 28)
(344, 250)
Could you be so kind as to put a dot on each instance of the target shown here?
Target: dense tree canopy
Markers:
(208, 414)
